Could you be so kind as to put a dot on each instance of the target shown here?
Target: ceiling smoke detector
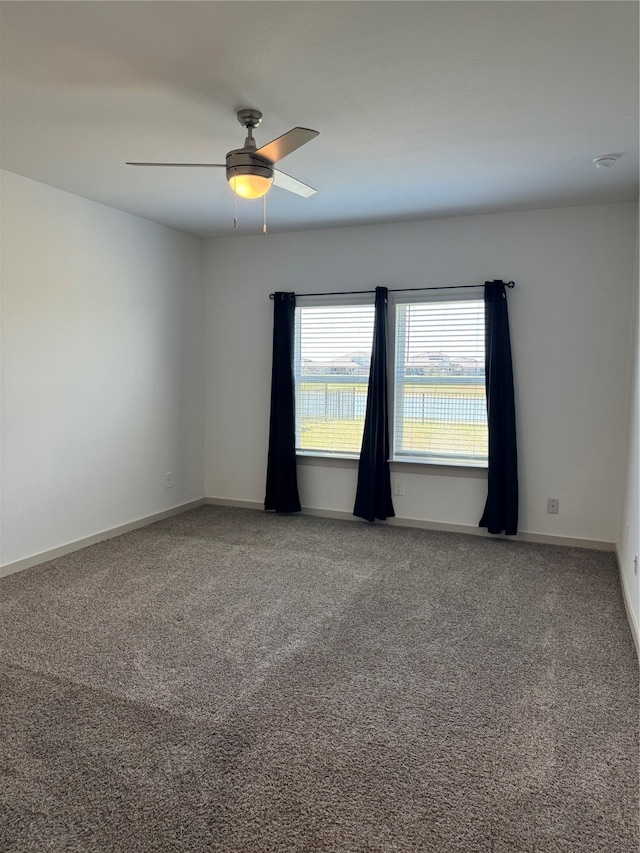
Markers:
(605, 162)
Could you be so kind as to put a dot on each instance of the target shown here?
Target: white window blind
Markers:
(331, 367)
(440, 410)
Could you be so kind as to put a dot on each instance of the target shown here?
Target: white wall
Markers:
(101, 368)
(629, 530)
(102, 375)
(570, 326)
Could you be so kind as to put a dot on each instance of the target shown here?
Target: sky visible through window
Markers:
(455, 328)
(330, 331)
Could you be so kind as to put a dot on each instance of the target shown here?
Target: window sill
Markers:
(441, 462)
(440, 468)
(326, 460)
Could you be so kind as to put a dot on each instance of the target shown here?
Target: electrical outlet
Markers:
(398, 487)
(553, 505)
(168, 480)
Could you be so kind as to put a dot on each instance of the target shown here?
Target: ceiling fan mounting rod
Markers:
(249, 118)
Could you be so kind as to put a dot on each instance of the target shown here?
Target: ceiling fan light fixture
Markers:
(250, 186)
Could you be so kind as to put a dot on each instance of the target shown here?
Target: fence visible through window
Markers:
(331, 414)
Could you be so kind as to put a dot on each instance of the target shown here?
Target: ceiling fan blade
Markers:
(285, 144)
(196, 165)
(286, 182)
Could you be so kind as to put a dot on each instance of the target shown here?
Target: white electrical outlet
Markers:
(168, 480)
(398, 487)
(553, 505)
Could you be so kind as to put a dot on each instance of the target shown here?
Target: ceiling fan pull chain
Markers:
(235, 210)
(264, 213)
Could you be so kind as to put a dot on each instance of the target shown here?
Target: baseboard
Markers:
(543, 538)
(470, 530)
(53, 553)
(631, 618)
(232, 502)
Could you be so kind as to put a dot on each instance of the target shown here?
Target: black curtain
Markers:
(373, 495)
(282, 480)
(501, 510)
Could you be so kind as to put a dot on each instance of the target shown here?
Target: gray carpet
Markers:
(230, 680)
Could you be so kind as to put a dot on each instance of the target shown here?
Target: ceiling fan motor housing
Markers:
(243, 162)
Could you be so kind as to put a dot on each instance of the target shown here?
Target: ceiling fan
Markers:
(250, 170)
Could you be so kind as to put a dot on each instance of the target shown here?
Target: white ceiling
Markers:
(424, 108)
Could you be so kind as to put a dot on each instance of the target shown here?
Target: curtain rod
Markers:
(509, 284)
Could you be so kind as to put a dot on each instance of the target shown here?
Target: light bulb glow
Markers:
(250, 186)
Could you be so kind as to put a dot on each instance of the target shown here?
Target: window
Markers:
(438, 386)
(440, 410)
(331, 365)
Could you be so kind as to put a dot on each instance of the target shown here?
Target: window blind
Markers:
(440, 410)
(331, 367)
